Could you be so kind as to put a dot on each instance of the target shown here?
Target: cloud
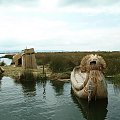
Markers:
(30, 28)
(18, 2)
(50, 26)
(52, 3)
(111, 9)
(57, 35)
(91, 3)
(53, 6)
(29, 31)
(90, 7)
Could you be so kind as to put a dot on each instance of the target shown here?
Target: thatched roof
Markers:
(26, 51)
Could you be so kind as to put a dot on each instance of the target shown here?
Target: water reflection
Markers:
(29, 88)
(7, 61)
(43, 84)
(1, 76)
(58, 86)
(116, 89)
(115, 84)
(96, 110)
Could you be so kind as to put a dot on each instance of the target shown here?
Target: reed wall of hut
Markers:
(28, 59)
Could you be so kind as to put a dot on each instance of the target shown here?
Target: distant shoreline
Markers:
(56, 51)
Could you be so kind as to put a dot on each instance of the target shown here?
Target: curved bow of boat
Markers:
(89, 85)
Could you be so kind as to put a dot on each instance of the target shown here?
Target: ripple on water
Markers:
(51, 100)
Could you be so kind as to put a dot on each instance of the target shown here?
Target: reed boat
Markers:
(87, 79)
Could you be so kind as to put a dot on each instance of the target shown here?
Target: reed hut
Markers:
(17, 60)
(26, 59)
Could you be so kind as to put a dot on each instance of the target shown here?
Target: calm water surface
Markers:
(51, 100)
(7, 61)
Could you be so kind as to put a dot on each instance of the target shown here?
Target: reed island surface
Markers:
(58, 65)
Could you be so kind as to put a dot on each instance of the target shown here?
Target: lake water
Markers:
(7, 61)
(52, 100)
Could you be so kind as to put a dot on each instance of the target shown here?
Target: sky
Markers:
(70, 25)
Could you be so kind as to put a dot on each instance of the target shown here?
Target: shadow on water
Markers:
(116, 89)
(58, 86)
(96, 110)
(116, 85)
(1, 76)
(28, 87)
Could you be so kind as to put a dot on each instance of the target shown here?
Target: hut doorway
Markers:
(20, 61)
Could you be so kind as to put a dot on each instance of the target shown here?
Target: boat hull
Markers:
(90, 85)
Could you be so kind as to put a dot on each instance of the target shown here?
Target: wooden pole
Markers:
(43, 69)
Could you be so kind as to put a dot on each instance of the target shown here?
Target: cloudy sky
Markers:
(60, 24)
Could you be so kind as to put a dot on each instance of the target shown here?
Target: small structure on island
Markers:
(26, 59)
(1, 70)
(17, 60)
